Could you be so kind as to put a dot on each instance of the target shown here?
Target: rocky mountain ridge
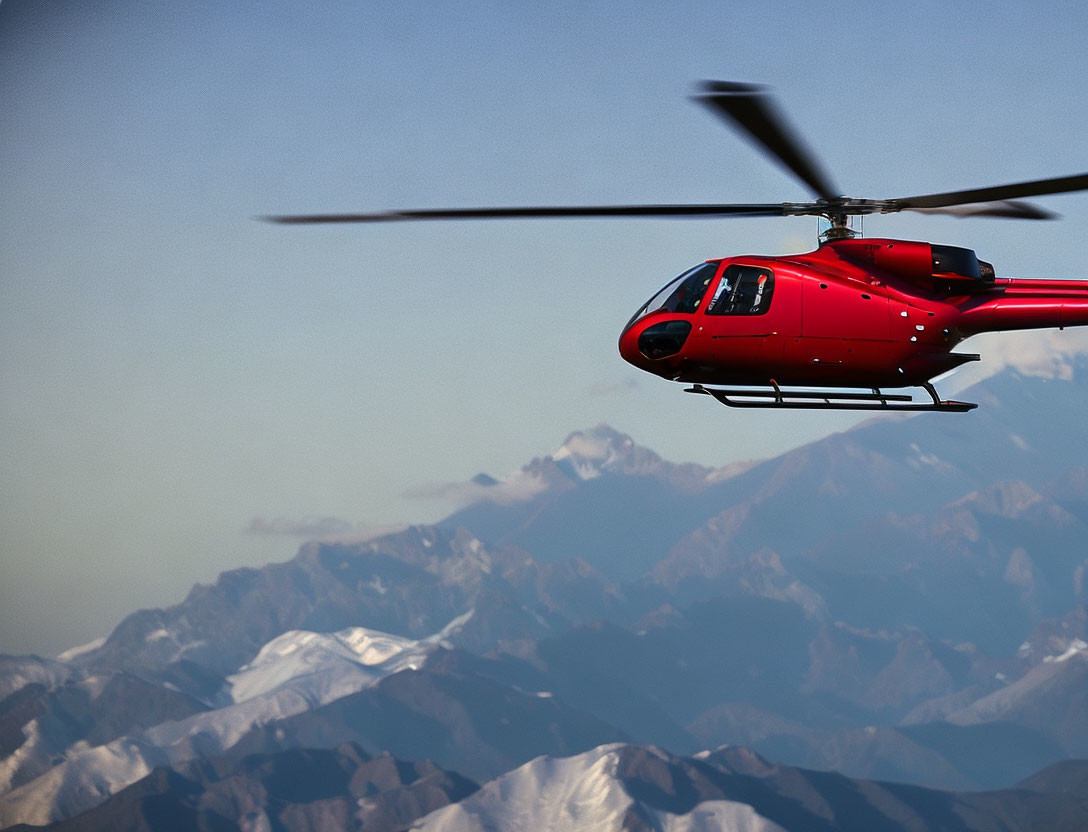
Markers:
(619, 787)
(904, 601)
(339, 789)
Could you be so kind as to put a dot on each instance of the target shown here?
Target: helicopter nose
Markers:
(629, 348)
(663, 339)
(648, 344)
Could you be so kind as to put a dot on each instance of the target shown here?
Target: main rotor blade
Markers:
(752, 108)
(999, 193)
(545, 212)
(1006, 208)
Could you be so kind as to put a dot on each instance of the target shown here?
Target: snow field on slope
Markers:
(363, 656)
(293, 673)
(79, 783)
(577, 794)
(545, 794)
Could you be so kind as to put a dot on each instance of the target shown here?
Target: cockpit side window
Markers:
(743, 290)
(690, 292)
(682, 294)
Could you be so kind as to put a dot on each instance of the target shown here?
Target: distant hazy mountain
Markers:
(410, 583)
(620, 507)
(599, 497)
(907, 601)
(1051, 698)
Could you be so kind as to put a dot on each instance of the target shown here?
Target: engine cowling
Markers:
(922, 263)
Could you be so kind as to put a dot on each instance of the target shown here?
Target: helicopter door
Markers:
(745, 295)
(747, 309)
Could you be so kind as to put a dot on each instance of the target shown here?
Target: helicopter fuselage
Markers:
(865, 313)
(861, 313)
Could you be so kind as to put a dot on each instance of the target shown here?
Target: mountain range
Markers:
(621, 787)
(904, 601)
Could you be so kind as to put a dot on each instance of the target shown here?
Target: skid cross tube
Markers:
(777, 398)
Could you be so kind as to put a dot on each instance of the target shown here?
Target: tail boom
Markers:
(1021, 303)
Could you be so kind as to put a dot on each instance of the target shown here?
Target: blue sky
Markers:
(171, 369)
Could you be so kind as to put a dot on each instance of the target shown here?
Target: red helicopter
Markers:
(827, 329)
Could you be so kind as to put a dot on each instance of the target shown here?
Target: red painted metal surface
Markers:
(856, 313)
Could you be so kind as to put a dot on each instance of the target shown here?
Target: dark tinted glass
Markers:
(682, 294)
(690, 292)
(956, 260)
(743, 290)
(664, 339)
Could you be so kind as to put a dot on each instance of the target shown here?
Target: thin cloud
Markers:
(363, 534)
(320, 529)
(516, 488)
(308, 527)
(1042, 353)
(614, 388)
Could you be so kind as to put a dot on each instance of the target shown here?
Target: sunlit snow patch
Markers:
(588, 452)
(345, 661)
(578, 793)
(82, 782)
(1075, 646)
(16, 672)
(293, 673)
(75, 652)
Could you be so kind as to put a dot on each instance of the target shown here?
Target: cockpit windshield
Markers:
(682, 294)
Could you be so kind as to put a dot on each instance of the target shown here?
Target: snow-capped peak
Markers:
(348, 660)
(295, 672)
(600, 444)
(584, 455)
(544, 794)
(587, 454)
(582, 792)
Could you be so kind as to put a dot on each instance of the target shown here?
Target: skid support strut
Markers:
(874, 399)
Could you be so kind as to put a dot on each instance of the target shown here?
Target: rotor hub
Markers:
(839, 225)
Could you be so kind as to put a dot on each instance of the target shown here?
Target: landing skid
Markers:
(778, 398)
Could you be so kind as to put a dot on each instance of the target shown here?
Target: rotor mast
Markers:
(842, 226)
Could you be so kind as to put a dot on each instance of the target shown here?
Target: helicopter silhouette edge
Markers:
(832, 328)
